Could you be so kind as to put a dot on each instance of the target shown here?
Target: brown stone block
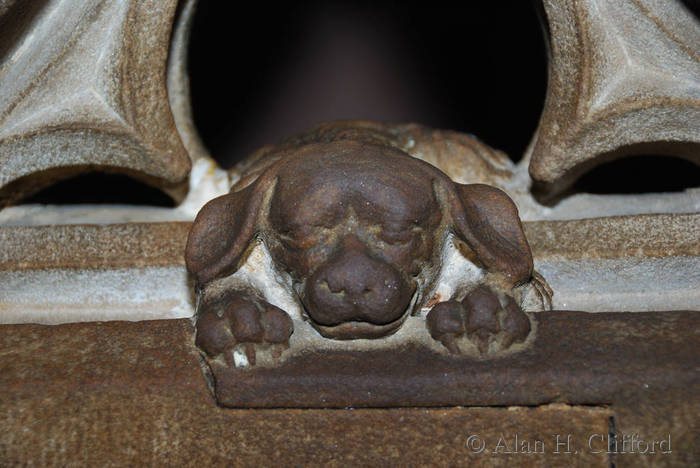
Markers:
(169, 429)
(132, 394)
(127, 393)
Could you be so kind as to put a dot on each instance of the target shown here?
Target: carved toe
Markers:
(515, 324)
(277, 324)
(445, 323)
(482, 307)
(213, 334)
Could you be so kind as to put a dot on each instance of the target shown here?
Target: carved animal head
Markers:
(360, 228)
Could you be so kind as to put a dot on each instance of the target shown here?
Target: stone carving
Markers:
(624, 79)
(67, 103)
(357, 229)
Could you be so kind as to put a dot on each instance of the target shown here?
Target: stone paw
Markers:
(241, 329)
(491, 321)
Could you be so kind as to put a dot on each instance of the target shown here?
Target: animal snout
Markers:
(356, 287)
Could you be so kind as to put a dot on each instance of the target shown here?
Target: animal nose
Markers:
(355, 287)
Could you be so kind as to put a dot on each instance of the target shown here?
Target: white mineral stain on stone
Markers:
(260, 273)
(240, 359)
(456, 276)
(207, 181)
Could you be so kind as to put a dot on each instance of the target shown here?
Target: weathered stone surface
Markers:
(83, 87)
(93, 246)
(624, 79)
(666, 409)
(623, 263)
(123, 393)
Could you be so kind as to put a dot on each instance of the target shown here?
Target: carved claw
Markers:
(543, 290)
(241, 327)
(481, 318)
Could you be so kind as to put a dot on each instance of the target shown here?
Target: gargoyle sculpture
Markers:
(358, 227)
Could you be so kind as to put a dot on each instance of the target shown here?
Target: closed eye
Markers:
(397, 239)
(305, 240)
(400, 237)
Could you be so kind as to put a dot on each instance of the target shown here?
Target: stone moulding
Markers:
(631, 246)
(52, 274)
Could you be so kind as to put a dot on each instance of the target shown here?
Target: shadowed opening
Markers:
(693, 6)
(476, 67)
(100, 188)
(640, 174)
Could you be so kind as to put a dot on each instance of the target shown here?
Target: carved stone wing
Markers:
(624, 79)
(83, 86)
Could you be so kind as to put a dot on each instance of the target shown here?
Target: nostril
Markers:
(340, 292)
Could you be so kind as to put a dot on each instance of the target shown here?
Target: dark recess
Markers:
(264, 74)
(693, 6)
(100, 188)
(640, 174)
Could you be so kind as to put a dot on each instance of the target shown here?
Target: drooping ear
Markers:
(487, 220)
(222, 231)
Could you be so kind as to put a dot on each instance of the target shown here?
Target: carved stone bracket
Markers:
(356, 264)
